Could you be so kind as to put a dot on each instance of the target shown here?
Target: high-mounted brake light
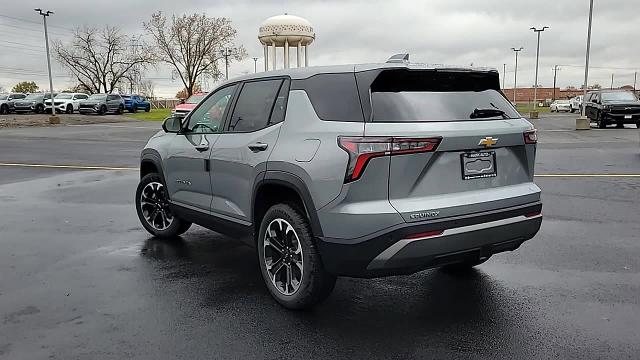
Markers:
(531, 136)
(363, 149)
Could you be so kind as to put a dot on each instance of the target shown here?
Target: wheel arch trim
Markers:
(296, 184)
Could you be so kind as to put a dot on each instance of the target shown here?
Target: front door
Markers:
(240, 156)
(188, 170)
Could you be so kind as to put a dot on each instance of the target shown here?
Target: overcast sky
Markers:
(459, 32)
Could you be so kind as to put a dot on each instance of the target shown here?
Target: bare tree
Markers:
(192, 45)
(147, 88)
(99, 59)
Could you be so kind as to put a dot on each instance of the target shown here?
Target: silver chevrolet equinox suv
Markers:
(360, 170)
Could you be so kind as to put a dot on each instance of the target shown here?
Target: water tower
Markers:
(285, 31)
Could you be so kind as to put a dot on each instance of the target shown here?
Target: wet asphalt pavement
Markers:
(81, 279)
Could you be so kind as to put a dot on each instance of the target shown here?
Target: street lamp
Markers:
(582, 123)
(255, 64)
(535, 89)
(515, 73)
(226, 52)
(53, 119)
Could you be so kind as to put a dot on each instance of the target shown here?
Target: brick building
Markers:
(525, 95)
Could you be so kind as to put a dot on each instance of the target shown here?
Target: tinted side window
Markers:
(334, 96)
(254, 105)
(280, 107)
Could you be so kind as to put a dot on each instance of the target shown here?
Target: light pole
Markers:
(515, 73)
(535, 88)
(504, 74)
(226, 52)
(582, 123)
(53, 119)
(555, 76)
(255, 64)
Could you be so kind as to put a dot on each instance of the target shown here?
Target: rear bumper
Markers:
(467, 237)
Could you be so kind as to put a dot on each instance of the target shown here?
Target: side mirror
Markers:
(172, 125)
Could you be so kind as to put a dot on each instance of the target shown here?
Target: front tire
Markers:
(602, 124)
(120, 110)
(289, 259)
(69, 109)
(148, 108)
(39, 109)
(152, 206)
(134, 109)
(103, 110)
(4, 109)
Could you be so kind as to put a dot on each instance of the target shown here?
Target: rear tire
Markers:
(289, 259)
(638, 125)
(152, 206)
(148, 108)
(134, 109)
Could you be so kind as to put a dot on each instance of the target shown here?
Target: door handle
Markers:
(258, 147)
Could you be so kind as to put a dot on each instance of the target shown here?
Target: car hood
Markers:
(622, 103)
(90, 102)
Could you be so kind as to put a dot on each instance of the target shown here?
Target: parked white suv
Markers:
(576, 104)
(66, 102)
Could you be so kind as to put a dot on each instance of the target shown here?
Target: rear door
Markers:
(239, 158)
(481, 161)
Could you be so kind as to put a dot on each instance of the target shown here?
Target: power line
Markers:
(30, 29)
(22, 44)
(34, 22)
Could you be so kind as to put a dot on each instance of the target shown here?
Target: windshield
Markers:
(618, 96)
(64, 96)
(194, 99)
(34, 96)
(98, 97)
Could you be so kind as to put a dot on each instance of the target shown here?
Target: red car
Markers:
(184, 108)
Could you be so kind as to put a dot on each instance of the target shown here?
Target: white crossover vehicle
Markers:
(66, 102)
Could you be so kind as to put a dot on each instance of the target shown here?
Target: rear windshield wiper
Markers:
(487, 113)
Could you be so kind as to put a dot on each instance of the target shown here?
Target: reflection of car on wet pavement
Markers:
(325, 196)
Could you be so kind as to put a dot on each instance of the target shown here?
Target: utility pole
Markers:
(555, 76)
(515, 73)
(255, 65)
(504, 74)
(53, 119)
(635, 77)
(226, 52)
(135, 71)
(535, 89)
(586, 71)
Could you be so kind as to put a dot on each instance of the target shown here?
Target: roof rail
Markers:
(399, 58)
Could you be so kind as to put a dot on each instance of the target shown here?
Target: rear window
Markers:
(425, 96)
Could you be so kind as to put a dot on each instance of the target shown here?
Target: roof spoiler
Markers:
(399, 58)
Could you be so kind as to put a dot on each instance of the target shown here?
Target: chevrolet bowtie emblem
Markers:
(488, 141)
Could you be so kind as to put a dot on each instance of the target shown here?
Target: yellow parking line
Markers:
(588, 175)
(73, 167)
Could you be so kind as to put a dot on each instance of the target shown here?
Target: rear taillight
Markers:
(363, 149)
(531, 137)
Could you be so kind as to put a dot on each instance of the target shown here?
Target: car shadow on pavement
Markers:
(433, 307)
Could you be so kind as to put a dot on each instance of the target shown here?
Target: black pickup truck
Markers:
(613, 107)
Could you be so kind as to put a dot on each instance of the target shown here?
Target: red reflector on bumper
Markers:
(532, 214)
(424, 234)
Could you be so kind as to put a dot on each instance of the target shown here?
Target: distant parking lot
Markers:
(82, 279)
